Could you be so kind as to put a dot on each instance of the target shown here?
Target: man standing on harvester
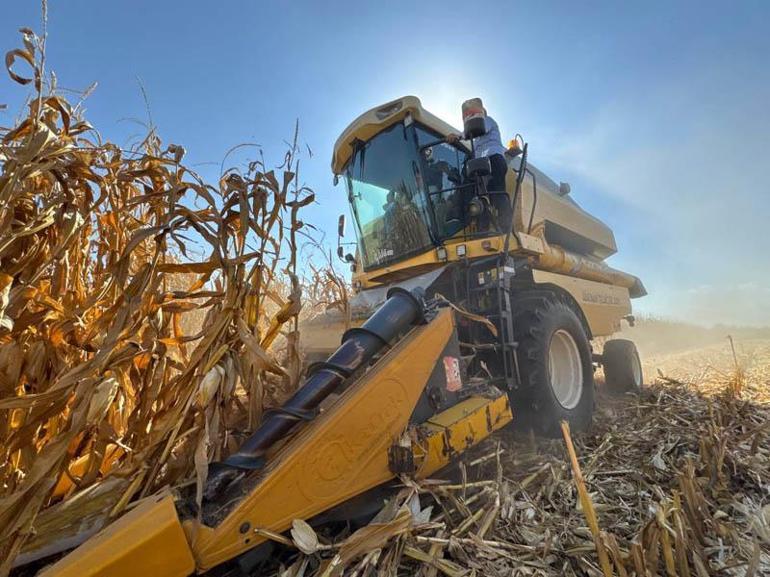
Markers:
(485, 134)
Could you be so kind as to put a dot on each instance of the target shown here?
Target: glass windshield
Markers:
(389, 208)
(442, 169)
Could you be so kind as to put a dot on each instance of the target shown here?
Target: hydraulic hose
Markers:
(400, 311)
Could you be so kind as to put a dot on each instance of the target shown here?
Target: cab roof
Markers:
(377, 119)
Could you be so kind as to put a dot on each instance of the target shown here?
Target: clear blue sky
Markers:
(655, 112)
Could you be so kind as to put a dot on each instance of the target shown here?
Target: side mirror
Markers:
(340, 234)
(564, 188)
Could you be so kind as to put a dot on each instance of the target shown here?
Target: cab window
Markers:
(442, 168)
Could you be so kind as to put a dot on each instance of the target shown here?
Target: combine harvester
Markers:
(477, 308)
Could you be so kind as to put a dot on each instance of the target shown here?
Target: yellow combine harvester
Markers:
(419, 380)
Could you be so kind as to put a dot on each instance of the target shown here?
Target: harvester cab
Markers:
(472, 308)
(410, 190)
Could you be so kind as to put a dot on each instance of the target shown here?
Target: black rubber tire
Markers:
(535, 407)
(619, 359)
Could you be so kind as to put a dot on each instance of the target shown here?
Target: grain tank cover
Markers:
(562, 221)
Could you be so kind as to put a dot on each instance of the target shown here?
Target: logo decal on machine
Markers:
(454, 381)
(600, 298)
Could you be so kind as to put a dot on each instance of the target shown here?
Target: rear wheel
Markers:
(555, 365)
(622, 366)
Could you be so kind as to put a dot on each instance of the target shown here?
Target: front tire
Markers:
(555, 365)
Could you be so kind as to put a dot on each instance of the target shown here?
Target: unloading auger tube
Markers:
(401, 310)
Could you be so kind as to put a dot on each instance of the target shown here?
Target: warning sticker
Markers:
(452, 369)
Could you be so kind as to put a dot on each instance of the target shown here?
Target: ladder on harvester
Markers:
(488, 286)
(498, 288)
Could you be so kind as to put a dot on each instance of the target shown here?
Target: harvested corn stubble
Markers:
(678, 478)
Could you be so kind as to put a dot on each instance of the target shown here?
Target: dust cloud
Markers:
(654, 336)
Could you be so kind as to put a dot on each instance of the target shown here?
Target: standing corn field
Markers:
(98, 377)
